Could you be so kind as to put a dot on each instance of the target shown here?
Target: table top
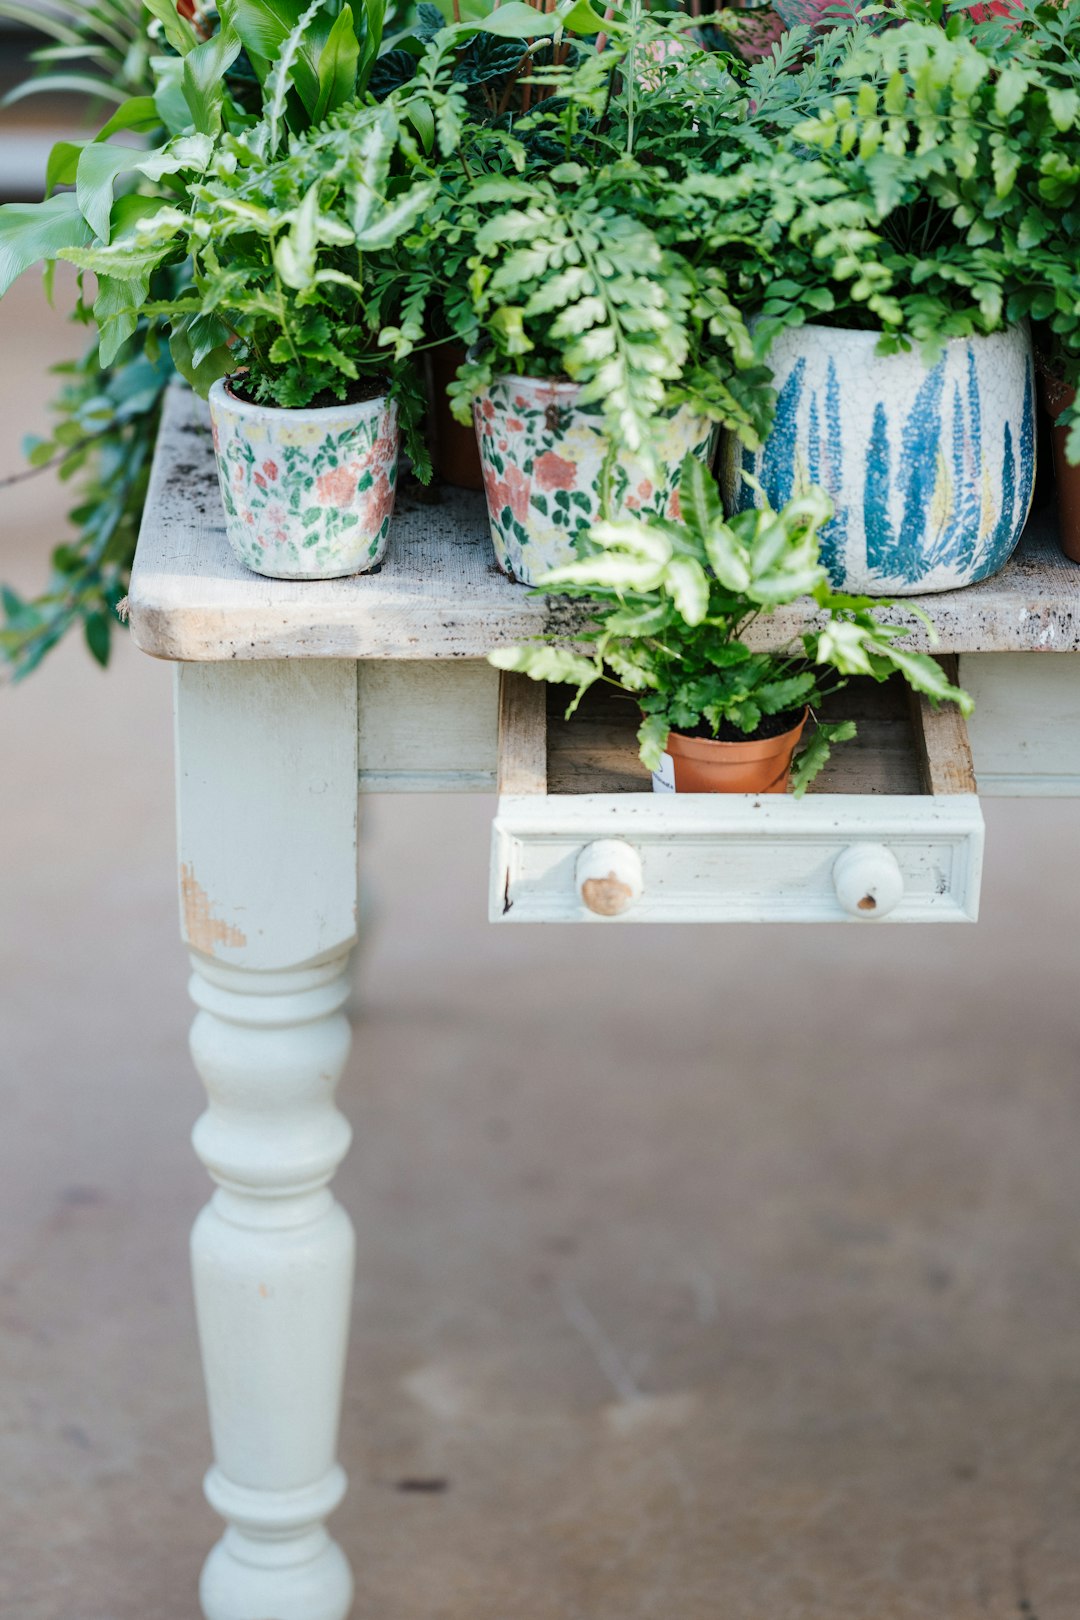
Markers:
(439, 594)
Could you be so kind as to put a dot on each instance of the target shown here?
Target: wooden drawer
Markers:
(891, 831)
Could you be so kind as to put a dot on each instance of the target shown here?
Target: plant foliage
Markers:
(558, 247)
(101, 49)
(671, 602)
(174, 70)
(316, 190)
(275, 247)
(108, 410)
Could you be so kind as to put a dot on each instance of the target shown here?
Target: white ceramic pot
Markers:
(930, 468)
(542, 455)
(308, 494)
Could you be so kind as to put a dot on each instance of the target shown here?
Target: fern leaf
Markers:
(280, 78)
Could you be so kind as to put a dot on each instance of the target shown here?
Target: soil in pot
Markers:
(308, 494)
(454, 452)
(1057, 397)
(733, 763)
(357, 393)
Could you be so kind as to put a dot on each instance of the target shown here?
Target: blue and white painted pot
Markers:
(930, 468)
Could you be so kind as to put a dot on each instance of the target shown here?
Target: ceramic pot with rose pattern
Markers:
(308, 494)
(542, 455)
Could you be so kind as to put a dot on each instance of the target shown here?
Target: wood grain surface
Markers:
(440, 595)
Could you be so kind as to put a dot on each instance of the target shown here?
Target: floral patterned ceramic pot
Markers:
(542, 455)
(930, 468)
(308, 494)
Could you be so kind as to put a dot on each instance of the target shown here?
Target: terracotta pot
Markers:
(700, 765)
(1057, 397)
(542, 453)
(308, 494)
(454, 451)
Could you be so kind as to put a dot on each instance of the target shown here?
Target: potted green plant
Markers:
(481, 72)
(908, 392)
(576, 396)
(669, 604)
(599, 353)
(277, 325)
(174, 69)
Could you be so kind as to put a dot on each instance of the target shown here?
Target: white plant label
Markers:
(663, 779)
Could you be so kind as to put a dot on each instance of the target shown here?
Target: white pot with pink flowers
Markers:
(542, 453)
(308, 494)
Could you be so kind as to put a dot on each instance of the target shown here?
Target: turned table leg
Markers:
(267, 784)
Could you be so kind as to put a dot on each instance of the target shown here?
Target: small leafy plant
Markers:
(954, 149)
(277, 243)
(175, 69)
(913, 171)
(559, 248)
(164, 68)
(670, 604)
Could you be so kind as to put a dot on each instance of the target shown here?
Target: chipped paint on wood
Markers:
(727, 857)
(202, 930)
(266, 760)
(608, 875)
(607, 896)
(267, 806)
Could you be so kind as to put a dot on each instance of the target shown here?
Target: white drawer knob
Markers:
(868, 880)
(608, 877)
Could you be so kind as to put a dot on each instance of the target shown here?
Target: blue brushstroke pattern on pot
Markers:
(930, 468)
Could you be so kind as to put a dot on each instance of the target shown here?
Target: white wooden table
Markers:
(290, 696)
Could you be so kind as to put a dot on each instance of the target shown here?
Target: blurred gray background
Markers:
(704, 1274)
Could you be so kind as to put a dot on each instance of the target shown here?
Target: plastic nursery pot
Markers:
(702, 765)
(930, 468)
(1057, 397)
(542, 455)
(308, 494)
(454, 451)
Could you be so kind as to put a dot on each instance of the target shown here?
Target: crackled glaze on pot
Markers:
(542, 455)
(930, 468)
(307, 494)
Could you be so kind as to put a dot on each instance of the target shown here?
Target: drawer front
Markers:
(635, 857)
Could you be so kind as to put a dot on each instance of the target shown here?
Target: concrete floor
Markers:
(713, 1274)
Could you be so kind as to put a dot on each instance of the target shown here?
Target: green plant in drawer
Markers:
(670, 603)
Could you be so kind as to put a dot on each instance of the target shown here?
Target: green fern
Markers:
(571, 286)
